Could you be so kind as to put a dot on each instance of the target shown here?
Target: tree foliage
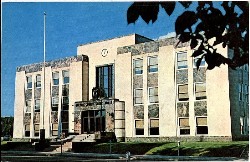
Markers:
(229, 25)
(7, 126)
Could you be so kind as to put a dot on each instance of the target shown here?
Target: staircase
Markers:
(84, 138)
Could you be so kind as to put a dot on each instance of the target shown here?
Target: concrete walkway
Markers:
(121, 156)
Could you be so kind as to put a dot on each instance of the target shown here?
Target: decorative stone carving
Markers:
(138, 81)
(200, 108)
(28, 94)
(182, 76)
(153, 80)
(54, 117)
(139, 112)
(38, 93)
(153, 111)
(183, 109)
(36, 117)
(64, 62)
(27, 118)
(55, 91)
(200, 75)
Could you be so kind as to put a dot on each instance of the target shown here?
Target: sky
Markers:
(68, 24)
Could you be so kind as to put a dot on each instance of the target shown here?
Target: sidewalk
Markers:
(122, 156)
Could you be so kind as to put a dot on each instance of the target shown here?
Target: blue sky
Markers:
(67, 26)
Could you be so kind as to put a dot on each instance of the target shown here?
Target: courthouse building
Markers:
(135, 89)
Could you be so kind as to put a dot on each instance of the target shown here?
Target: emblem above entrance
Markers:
(104, 52)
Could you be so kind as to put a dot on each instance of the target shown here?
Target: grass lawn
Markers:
(3, 142)
(216, 149)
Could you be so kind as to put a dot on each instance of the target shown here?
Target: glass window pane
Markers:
(27, 127)
(183, 96)
(153, 60)
(38, 78)
(181, 56)
(182, 64)
(138, 63)
(36, 127)
(200, 94)
(139, 124)
(154, 123)
(138, 70)
(65, 80)
(55, 100)
(54, 126)
(55, 75)
(183, 88)
(200, 87)
(138, 100)
(201, 121)
(65, 100)
(183, 122)
(65, 73)
(138, 93)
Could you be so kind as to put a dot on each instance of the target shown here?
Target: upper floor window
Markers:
(183, 92)
(55, 76)
(139, 127)
(38, 81)
(138, 96)
(201, 125)
(55, 102)
(37, 105)
(152, 64)
(28, 106)
(203, 62)
(184, 126)
(138, 66)
(65, 76)
(154, 127)
(27, 130)
(153, 94)
(200, 91)
(105, 80)
(29, 82)
(182, 60)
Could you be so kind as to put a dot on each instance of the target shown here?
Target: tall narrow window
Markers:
(37, 105)
(38, 81)
(27, 130)
(105, 80)
(65, 76)
(55, 102)
(54, 129)
(240, 91)
(55, 76)
(154, 127)
(183, 92)
(182, 60)
(200, 91)
(138, 66)
(29, 82)
(65, 103)
(201, 125)
(246, 93)
(36, 130)
(139, 127)
(138, 96)
(153, 94)
(28, 106)
(184, 126)
(152, 64)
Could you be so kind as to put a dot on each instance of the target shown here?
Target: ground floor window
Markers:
(184, 126)
(36, 130)
(55, 129)
(27, 130)
(139, 127)
(154, 127)
(201, 125)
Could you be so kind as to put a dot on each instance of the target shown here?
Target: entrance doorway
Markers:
(93, 121)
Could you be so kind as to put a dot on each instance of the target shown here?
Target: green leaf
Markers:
(184, 21)
(185, 37)
(193, 43)
(132, 13)
(168, 7)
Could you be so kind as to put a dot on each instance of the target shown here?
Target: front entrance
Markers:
(93, 121)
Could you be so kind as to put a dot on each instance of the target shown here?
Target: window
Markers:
(139, 127)
(152, 64)
(37, 105)
(182, 60)
(247, 93)
(27, 130)
(65, 103)
(240, 92)
(154, 127)
(138, 66)
(38, 81)
(65, 76)
(54, 129)
(138, 96)
(246, 67)
(36, 130)
(200, 91)
(105, 80)
(201, 125)
(55, 76)
(183, 92)
(28, 106)
(55, 102)
(184, 126)
(203, 62)
(29, 82)
(153, 95)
